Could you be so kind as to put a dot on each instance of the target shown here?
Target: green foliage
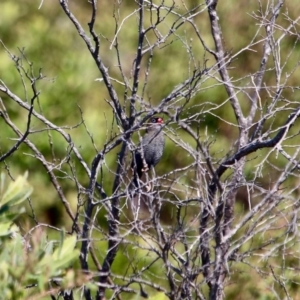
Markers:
(14, 194)
(29, 263)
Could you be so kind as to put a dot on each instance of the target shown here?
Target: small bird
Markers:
(150, 150)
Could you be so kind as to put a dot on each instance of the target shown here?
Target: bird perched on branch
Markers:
(150, 150)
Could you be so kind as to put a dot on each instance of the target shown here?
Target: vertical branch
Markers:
(113, 225)
(221, 60)
(269, 25)
(138, 59)
(92, 31)
(88, 217)
(114, 216)
(94, 50)
(212, 188)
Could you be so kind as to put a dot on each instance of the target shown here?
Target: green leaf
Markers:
(2, 181)
(62, 257)
(66, 253)
(66, 247)
(5, 228)
(17, 191)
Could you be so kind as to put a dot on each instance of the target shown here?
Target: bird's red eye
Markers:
(160, 120)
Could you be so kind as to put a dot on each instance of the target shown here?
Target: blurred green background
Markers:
(51, 43)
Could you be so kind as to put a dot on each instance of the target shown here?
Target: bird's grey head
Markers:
(155, 123)
(156, 120)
